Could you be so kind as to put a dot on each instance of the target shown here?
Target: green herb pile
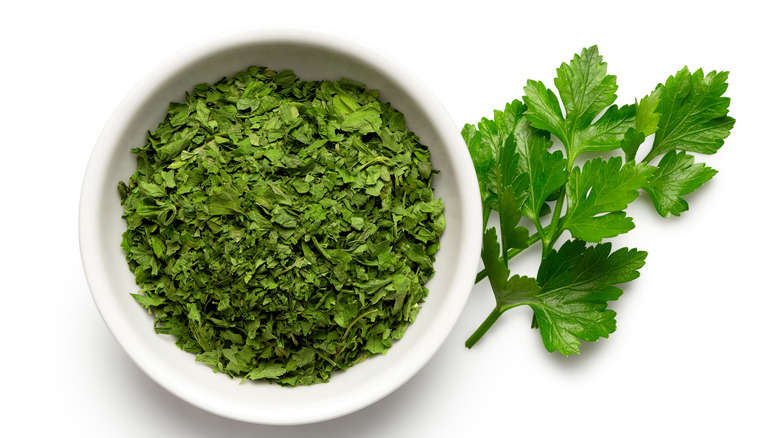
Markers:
(565, 186)
(282, 229)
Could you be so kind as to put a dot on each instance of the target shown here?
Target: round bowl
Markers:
(312, 55)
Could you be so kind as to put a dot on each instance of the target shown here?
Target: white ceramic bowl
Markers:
(311, 55)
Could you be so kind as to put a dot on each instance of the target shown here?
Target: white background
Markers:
(695, 353)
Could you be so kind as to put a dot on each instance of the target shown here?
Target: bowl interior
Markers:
(311, 56)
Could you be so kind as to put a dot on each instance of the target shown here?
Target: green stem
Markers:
(349, 327)
(555, 232)
(539, 227)
(483, 328)
(556, 217)
(555, 237)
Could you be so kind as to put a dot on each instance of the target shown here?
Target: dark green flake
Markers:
(281, 229)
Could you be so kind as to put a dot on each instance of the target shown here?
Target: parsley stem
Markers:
(555, 233)
(349, 327)
(539, 227)
(556, 216)
(358, 318)
(483, 328)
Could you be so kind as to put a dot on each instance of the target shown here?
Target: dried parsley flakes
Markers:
(281, 229)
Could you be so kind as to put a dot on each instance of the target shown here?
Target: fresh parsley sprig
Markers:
(526, 181)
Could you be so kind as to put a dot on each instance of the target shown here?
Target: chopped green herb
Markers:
(528, 182)
(281, 229)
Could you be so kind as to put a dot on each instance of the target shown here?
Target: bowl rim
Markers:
(467, 183)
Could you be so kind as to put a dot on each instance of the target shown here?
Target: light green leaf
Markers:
(364, 120)
(647, 117)
(676, 176)
(544, 110)
(608, 131)
(602, 187)
(646, 124)
(586, 91)
(585, 87)
(693, 114)
(266, 370)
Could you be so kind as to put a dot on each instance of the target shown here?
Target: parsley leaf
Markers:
(544, 110)
(586, 90)
(602, 187)
(570, 295)
(688, 114)
(487, 146)
(512, 194)
(576, 284)
(693, 113)
(546, 169)
(646, 124)
(585, 87)
(509, 292)
(676, 176)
